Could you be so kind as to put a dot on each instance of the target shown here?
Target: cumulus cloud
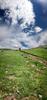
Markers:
(38, 29)
(43, 38)
(13, 36)
(21, 9)
(5, 32)
(19, 40)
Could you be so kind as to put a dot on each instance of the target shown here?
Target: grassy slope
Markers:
(41, 52)
(21, 75)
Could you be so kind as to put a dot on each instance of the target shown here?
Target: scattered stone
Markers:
(11, 77)
(27, 61)
(30, 98)
(33, 66)
(40, 96)
(6, 71)
(40, 61)
(9, 97)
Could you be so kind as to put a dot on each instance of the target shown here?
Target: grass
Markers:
(21, 75)
(41, 52)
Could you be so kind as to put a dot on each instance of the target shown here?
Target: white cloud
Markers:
(17, 37)
(38, 29)
(3, 31)
(21, 8)
(11, 37)
(14, 37)
(43, 38)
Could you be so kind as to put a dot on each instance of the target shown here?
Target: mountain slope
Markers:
(23, 75)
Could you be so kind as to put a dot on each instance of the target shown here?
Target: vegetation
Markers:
(23, 75)
(41, 52)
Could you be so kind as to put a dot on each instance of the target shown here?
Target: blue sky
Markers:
(23, 23)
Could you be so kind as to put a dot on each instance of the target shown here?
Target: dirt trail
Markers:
(36, 58)
(24, 98)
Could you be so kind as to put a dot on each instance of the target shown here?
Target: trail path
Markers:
(36, 58)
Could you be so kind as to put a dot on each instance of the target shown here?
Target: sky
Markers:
(23, 23)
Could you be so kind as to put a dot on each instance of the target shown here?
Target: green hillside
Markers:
(41, 52)
(23, 74)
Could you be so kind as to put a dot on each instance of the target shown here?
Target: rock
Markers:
(30, 98)
(9, 97)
